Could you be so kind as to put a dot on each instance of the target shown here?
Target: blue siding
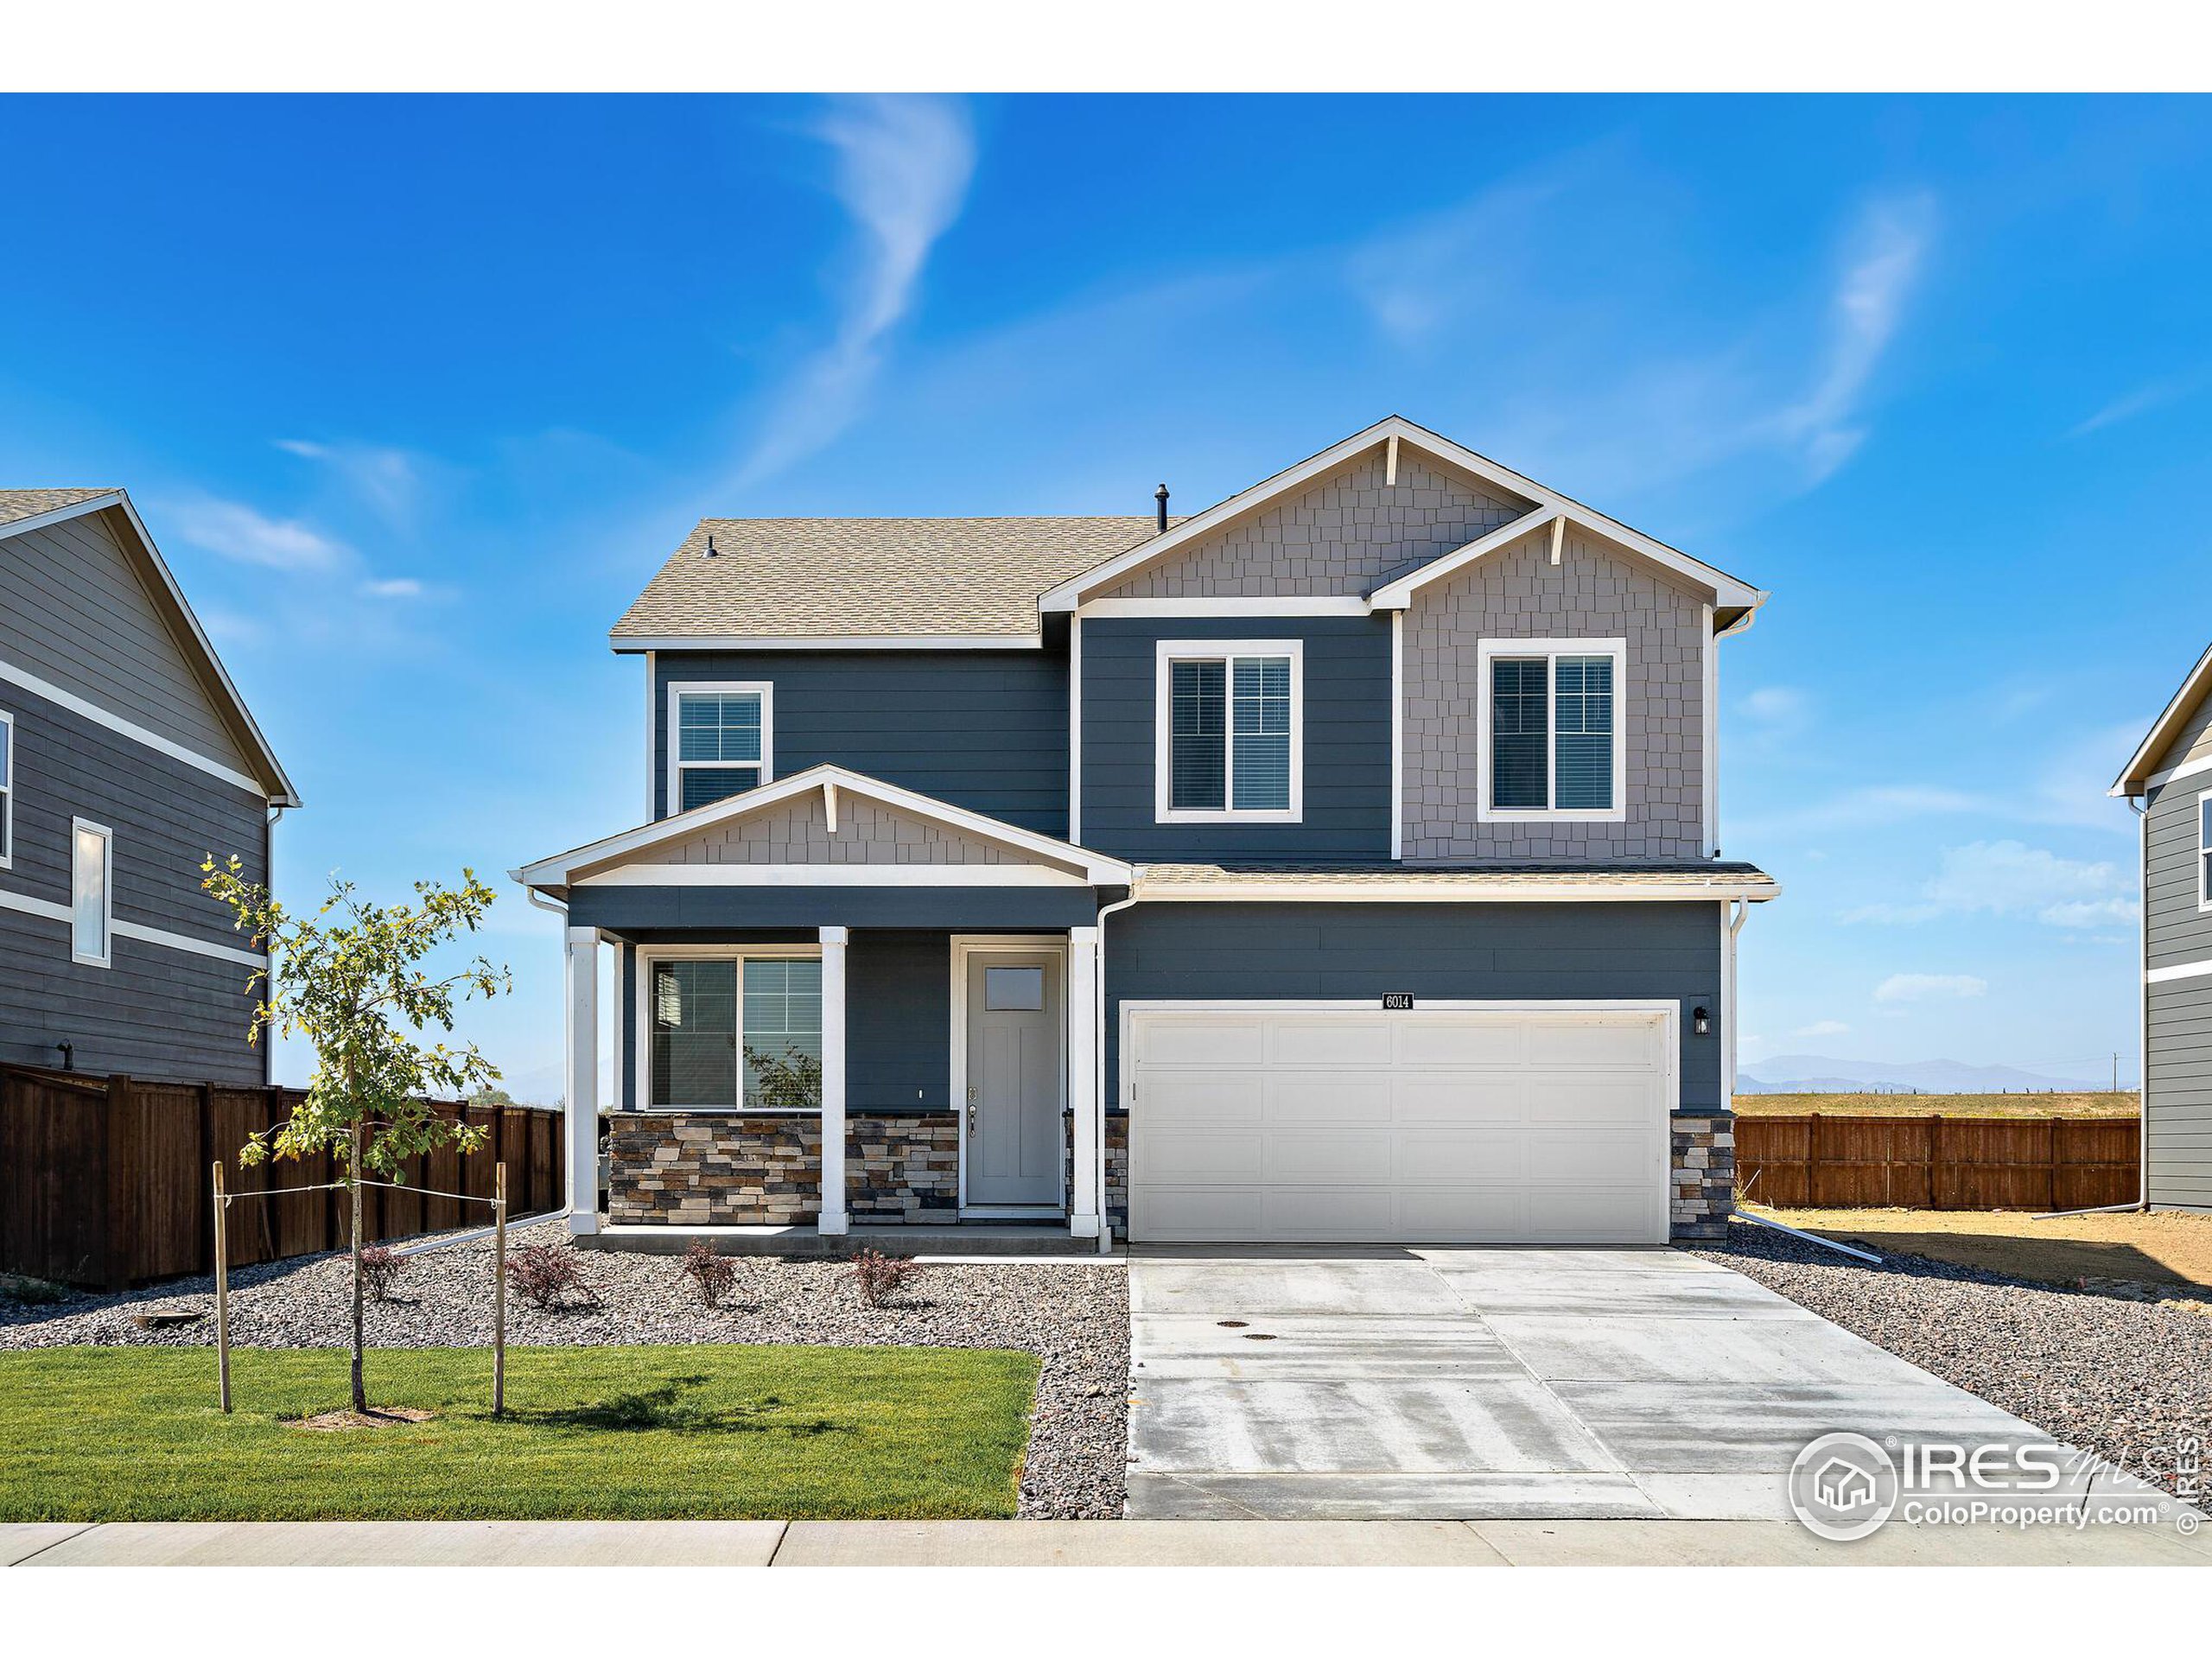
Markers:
(1347, 741)
(1505, 951)
(983, 729)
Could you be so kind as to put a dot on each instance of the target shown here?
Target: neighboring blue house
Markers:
(126, 758)
(1338, 863)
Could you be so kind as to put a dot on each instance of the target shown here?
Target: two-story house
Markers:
(126, 758)
(1336, 863)
(2169, 781)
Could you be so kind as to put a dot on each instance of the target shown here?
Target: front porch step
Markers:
(966, 1238)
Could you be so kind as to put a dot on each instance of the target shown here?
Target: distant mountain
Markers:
(1818, 1074)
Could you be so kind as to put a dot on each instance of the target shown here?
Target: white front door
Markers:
(1012, 1152)
(1437, 1125)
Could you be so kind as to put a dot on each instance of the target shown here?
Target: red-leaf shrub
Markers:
(711, 1274)
(880, 1277)
(380, 1267)
(548, 1276)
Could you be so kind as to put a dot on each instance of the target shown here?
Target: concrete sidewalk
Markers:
(1073, 1543)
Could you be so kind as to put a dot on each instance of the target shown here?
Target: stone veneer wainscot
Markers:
(721, 1169)
(1701, 1192)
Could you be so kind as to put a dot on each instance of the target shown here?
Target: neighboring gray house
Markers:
(1338, 863)
(2169, 780)
(126, 757)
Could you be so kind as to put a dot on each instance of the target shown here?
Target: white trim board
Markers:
(131, 729)
(2186, 769)
(2178, 970)
(827, 642)
(1284, 605)
(47, 910)
(832, 875)
(105, 958)
(8, 772)
(1470, 892)
(2154, 742)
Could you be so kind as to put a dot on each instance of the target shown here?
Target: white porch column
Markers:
(833, 1219)
(1087, 1176)
(581, 1078)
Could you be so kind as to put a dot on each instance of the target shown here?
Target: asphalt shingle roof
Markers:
(17, 505)
(801, 578)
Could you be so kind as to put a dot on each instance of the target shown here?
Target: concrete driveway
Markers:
(1470, 1383)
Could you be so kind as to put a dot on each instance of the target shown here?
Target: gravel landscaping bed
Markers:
(1074, 1315)
(2103, 1369)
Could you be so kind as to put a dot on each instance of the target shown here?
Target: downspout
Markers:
(277, 810)
(2142, 1200)
(1098, 1044)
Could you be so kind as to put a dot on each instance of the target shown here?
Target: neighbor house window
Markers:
(92, 896)
(731, 1032)
(1228, 735)
(718, 742)
(2204, 851)
(1552, 736)
(7, 789)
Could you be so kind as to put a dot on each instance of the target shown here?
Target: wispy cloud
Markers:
(1869, 806)
(1777, 705)
(237, 532)
(902, 170)
(1903, 988)
(1880, 270)
(393, 587)
(388, 481)
(2141, 401)
(1822, 1028)
(2008, 878)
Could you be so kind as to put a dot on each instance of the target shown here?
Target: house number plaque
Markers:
(1397, 999)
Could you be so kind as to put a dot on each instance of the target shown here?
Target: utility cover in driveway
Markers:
(1444, 1384)
(1438, 1124)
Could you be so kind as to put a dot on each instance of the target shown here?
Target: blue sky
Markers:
(415, 394)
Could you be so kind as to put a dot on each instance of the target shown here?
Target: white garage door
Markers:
(1444, 1125)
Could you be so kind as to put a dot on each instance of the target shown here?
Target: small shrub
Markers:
(711, 1274)
(32, 1293)
(548, 1276)
(882, 1277)
(380, 1270)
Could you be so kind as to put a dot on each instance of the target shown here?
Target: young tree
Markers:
(349, 979)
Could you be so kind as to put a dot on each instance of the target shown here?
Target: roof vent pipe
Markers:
(1160, 518)
(710, 552)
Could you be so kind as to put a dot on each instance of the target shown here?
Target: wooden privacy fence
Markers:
(104, 1181)
(1832, 1161)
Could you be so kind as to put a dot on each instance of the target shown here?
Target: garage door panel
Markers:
(1179, 1098)
(1441, 1125)
(1333, 1097)
(1433, 1040)
(1457, 1098)
(1332, 1043)
(1222, 1041)
(1349, 1156)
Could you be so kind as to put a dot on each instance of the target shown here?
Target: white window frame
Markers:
(8, 792)
(1487, 652)
(672, 787)
(1225, 651)
(2204, 886)
(77, 953)
(641, 1054)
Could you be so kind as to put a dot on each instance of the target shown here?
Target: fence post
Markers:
(500, 1289)
(1812, 1160)
(122, 1212)
(222, 1290)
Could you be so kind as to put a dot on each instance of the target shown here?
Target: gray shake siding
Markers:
(1347, 741)
(75, 612)
(1345, 534)
(1517, 592)
(1505, 951)
(158, 1010)
(983, 729)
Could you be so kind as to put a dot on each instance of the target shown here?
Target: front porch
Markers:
(843, 1015)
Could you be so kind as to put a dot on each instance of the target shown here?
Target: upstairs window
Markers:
(1552, 737)
(1227, 740)
(2204, 851)
(718, 742)
(7, 789)
(91, 895)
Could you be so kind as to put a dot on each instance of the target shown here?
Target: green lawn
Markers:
(134, 1434)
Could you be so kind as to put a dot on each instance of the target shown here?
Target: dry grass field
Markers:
(2099, 1104)
(2160, 1247)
